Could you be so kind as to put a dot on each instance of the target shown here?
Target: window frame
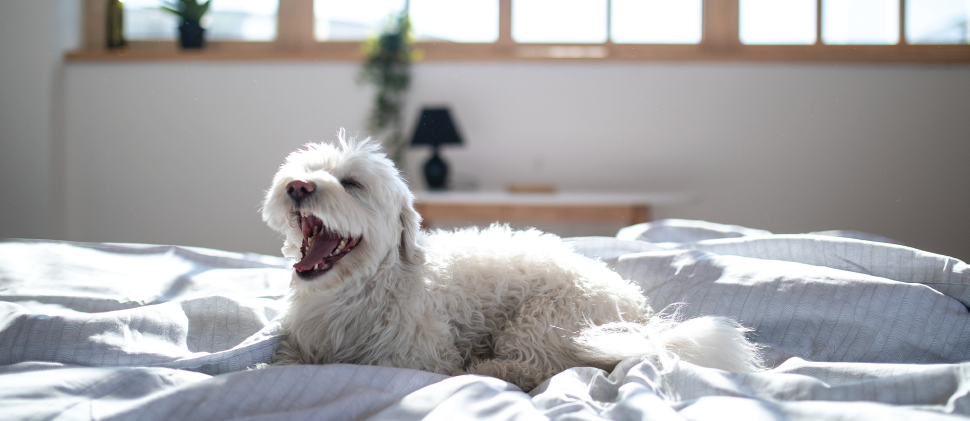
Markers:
(719, 42)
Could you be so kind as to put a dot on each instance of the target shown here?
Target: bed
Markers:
(854, 326)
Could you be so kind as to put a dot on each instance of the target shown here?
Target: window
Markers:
(586, 21)
(860, 22)
(244, 20)
(559, 21)
(760, 30)
(227, 20)
(340, 20)
(455, 21)
(938, 21)
(777, 21)
(656, 21)
(144, 20)
(854, 22)
(431, 20)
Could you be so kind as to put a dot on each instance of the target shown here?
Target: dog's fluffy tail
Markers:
(709, 341)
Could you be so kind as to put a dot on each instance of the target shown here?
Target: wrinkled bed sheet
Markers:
(854, 326)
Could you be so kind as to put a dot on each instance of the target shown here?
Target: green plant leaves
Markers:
(188, 10)
(388, 67)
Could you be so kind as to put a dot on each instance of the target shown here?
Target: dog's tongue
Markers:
(323, 244)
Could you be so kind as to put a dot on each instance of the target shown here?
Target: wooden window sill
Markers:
(351, 51)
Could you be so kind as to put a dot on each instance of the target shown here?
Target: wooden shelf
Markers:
(625, 214)
(625, 208)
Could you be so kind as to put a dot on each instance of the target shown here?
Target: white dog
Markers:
(370, 288)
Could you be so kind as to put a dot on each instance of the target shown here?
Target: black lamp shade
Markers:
(435, 128)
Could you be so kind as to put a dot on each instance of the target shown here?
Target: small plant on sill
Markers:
(191, 33)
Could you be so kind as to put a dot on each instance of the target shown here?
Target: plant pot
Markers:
(191, 35)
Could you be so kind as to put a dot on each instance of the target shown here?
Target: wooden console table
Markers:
(626, 208)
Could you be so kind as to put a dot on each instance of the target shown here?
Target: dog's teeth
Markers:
(340, 247)
(316, 266)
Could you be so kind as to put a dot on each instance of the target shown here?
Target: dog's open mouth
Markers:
(321, 247)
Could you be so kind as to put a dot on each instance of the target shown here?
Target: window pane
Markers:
(777, 21)
(145, 21)
(451, 20)
(572, 21)
(656, 21)
(860, 21)
(336, 20)
(236, 20)
(246, 20)
(938, 21)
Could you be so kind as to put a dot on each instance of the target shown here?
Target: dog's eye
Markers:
(350, 183)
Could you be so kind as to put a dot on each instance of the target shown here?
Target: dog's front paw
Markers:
(286, 354)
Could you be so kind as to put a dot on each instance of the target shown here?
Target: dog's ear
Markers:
(409, 249)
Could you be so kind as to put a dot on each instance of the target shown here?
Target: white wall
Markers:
(788, 148)
(28, 64)
(181, 152)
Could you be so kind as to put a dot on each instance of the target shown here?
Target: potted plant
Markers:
(388, 67)
(191, 32)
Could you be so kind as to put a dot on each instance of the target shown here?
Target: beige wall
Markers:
(181, 153)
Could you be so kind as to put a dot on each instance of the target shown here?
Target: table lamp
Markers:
(435, 128)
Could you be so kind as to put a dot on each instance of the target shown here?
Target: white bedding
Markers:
(859, 330)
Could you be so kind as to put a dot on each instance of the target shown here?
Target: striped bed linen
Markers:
(851, 328)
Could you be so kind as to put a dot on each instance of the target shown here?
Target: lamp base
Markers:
(436, 172)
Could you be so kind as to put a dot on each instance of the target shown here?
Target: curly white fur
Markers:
(517, 305)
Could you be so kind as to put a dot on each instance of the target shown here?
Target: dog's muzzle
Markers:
(321, 247)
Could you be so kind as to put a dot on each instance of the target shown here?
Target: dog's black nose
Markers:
(299, 189)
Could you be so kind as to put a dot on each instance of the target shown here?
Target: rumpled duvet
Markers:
(852, 325)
